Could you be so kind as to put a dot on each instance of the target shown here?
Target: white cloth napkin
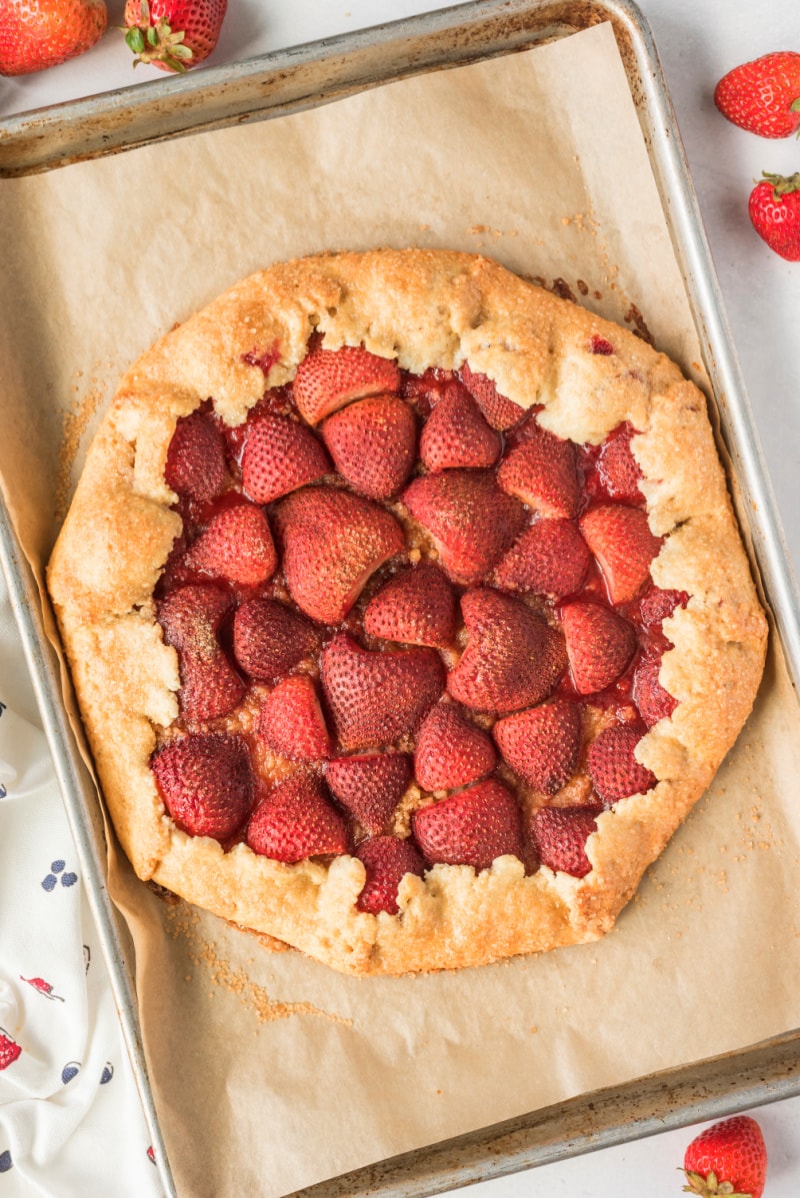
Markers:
(70, 1119)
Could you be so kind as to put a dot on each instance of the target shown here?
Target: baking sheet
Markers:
(271, 1053)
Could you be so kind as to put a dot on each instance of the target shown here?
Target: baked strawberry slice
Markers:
(206, 782)
(373, 443)
(457, 435)
(328, 379)
(471, 521)
(191, 617)
(386, 860)
(620, 538)
(559, 836)
(416, 606)
(600, 644)
(501, 413)
(472, 827)
(542, 744)
(196, 467)
(235, 545)
(279, 456)
(613, 768)
(617, 468)
(513, 658)
(656, 605)
(541, 470)
(652, 700)
(291, 721)
(295, 820)
(369, 786)
(550, 558)
(332, 543)
(378, 697)
(451, 751)
(270, 639)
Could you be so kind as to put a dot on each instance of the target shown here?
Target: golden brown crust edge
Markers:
(427, 308)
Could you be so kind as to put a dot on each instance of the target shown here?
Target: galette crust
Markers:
(426, 308)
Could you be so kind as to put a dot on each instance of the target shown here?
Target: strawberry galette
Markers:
(406, 611)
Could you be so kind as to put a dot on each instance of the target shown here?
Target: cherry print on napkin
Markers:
(43, 987)
(9, 1049)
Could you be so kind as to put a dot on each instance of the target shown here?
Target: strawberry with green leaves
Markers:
(173, 35)
(763, 96)
(36, 34)
(730, 1158)
(775, 214)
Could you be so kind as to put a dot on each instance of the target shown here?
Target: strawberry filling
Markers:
(411, 625)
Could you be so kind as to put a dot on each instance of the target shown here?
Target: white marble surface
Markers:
(697, 43)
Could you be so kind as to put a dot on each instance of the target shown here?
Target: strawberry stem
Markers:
(783, 184)
(158, 43)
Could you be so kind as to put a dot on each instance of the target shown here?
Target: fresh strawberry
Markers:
(373, 443)
(542, 744)
(386, 860)
(652, 701)
(550, 558)
(36, 34)
(369, 786)
(416, 606)
(279, 456)
(9, 1049)
(191, 617)
(763, 96)
(620, 538)
(471, 827)
(513, 658)
(297, 820)
(235, 545)
(613, 768)
(617, 468)
(656, 605)
(729, 1157)
(195, 466)
(600, 644)
(775, 214)
(332, 542)
(501, 413)
(206, 782)
(173, 35)
(559, 835)
(451, 751)
(270, 639)
(456, 434)
(328, 379)
(472, 522)
(541, 470)
(291, 721)
(376, 697)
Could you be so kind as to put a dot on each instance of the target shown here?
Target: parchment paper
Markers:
(272, 1072)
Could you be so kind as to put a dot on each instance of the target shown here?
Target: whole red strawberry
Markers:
(173, 35)
(35, 34)
(763, 96)
(775, 213)
(730, 1157)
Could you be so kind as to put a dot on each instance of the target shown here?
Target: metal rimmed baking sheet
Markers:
(319, 74)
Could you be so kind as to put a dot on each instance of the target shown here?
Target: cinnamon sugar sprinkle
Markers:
(180, 923)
